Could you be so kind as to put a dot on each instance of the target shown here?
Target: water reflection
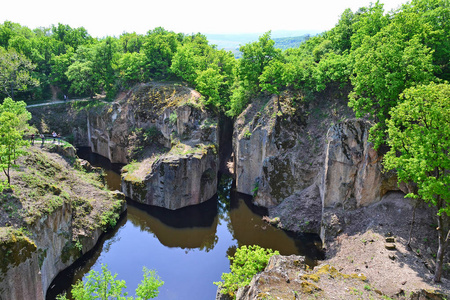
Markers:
(187, 247)
(249, 229)
(187, 228)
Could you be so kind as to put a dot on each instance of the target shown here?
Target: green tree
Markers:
(419, 140)
(59, 67)
(255, 58)
(13, 125)
(341, 34)
(104, 64)
(159, 47)
(81, 73)
(131, 42)
(15, 71)
(71, 37)
(105, 286)
(130, 68)
(367, 22)
(246, 263)
(273, 79)
(384, 66)
(209, 70)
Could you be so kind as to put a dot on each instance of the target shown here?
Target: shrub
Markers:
(173, 118)
(105, 286)
(247, 262)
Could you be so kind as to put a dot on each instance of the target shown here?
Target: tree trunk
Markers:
(412, 224)
(7, 176)
(443, 243)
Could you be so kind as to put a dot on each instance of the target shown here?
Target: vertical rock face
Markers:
(183, 173)
(20, 277)
(276, 153)
(176, 181)
(250, 153)
(108, 133)
(352, 174)
(63, 119)
(47, 255)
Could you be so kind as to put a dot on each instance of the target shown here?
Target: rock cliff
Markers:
(276, 152)
(352, 169)
(175, 180)
(170, 140)
(54, 219)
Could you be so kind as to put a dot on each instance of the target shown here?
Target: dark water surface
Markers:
(188, 248)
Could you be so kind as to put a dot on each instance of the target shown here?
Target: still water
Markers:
(188, 248)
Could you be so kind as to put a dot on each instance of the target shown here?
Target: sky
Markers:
(111, 18)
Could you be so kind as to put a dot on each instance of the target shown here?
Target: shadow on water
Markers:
(187, 247)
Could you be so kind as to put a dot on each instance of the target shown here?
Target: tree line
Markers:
(393, 63)
(376, 54)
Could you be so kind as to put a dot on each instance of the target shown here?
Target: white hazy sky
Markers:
(111, 17)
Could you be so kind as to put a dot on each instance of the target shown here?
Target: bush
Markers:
(104, 286)
(247, 262)
(173, 118)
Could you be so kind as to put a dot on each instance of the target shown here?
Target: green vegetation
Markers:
(13, 125)
(386, 63)
(105, 286)
(373, 54)
(15, 71)
(419, 140)
(246, 262)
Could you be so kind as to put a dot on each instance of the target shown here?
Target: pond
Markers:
(188, 247)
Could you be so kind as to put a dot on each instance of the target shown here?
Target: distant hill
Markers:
(283, 39)
(290, 42)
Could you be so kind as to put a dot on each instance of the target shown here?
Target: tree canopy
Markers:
(419, 140)
(13, 125)
(370, 52)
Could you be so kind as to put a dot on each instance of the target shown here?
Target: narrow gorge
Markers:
(305, 163)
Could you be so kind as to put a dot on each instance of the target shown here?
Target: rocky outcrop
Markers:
(276, 153)
(180, 167)
(47, 251)
(64, 118)
(175, 180)
(164, 108)
(353, 174)
(289, 277)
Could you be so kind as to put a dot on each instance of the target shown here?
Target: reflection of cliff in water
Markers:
(248, 228)
(187, 228)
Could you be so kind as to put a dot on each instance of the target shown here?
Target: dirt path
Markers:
(53, 102)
